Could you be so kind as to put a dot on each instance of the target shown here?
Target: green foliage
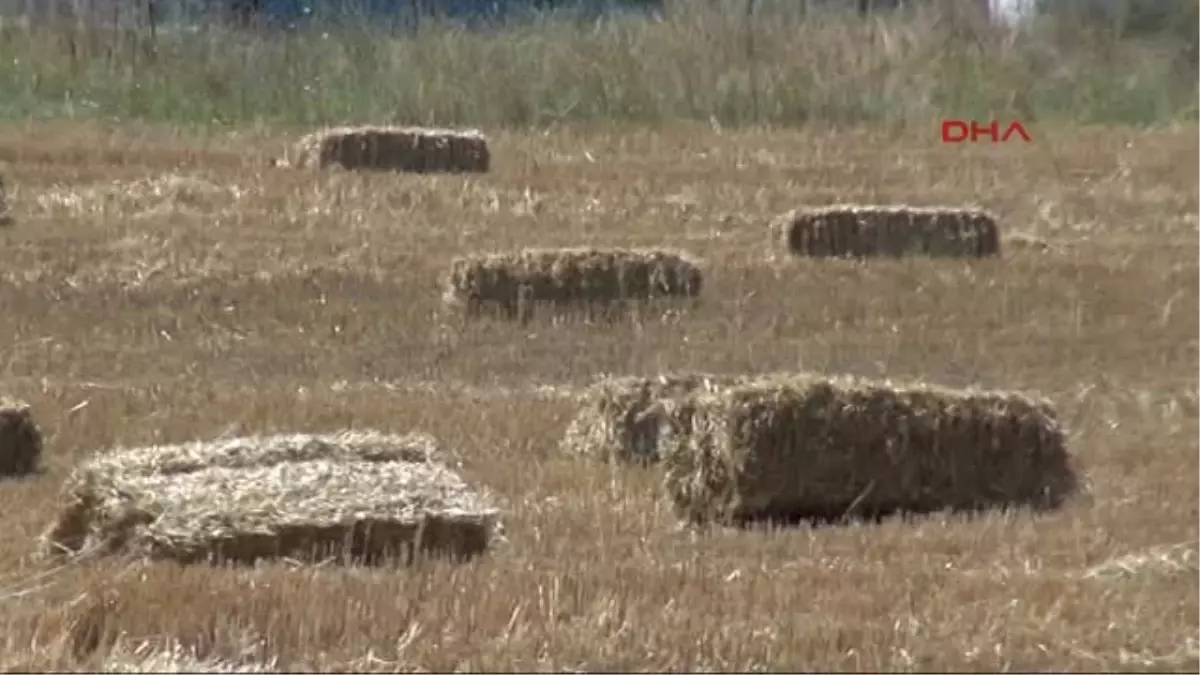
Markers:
(1130, 17)
(708, 61)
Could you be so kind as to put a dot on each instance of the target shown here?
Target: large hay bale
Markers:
(5, 210)
(855, 231)
(360, 496)
(1022, 242)
(20, 439)
(807, 446)
(411, 149)
(619, 417)
(513, 284)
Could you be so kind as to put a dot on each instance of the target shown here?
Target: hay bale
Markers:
(20, 439)
(1028, 243)
(605, 279)
(619, 417)
(812, 447)
(5, 211)
(855, 231)
(357, 496)
(412, 149)
(173, 657)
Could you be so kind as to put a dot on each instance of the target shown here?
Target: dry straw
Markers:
(358, 496)
(20, 439)
(411, 149)
(855, 231)
(604, 280)
(173, 657)
(619, 417)
(811, 447)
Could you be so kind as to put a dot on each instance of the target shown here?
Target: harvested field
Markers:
(176, 194)
(20, 439)
(358, 496)
(808, 446)
(513, 285)
(290, 302)
(861, 231)
(619, 417)
(409, 149)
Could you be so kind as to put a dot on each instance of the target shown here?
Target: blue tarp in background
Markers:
(403, 12)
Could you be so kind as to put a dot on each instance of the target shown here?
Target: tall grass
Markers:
(705, 61)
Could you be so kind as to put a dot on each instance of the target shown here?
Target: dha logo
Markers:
(961, 131)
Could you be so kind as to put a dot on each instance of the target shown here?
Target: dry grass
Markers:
(172, 657)
(392, 149)
(799, 446)
(301, 301)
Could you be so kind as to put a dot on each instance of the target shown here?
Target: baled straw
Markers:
(350, 495)
(807, 446)
(619, 417)
(512, 284)
(20, 439)
(859, 231)
(6, 217)
(258, 451)
(410, 149)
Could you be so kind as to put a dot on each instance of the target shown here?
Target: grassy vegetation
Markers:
(707, 62)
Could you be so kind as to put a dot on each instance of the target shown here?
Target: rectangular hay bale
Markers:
(362, 496)
(815, 447)
(408, 149)
(619, 417)
(6, 217)
(860, 231)
(512, 284)
(20, 439)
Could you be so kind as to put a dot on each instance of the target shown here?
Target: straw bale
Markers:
(360, 496)
(5, 212)
(857, 231)
(173, 657)
(411, 149)
(811, 447)
(1029, 243)
(593, 279)
(619, 417)
(259, 451)
(20, 439)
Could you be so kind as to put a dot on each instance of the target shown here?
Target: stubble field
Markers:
(160, 288)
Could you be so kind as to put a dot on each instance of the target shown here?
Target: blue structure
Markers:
(400, 13)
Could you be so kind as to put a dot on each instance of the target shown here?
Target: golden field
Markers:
(158, 288)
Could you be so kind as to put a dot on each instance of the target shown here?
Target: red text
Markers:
(962, 131)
